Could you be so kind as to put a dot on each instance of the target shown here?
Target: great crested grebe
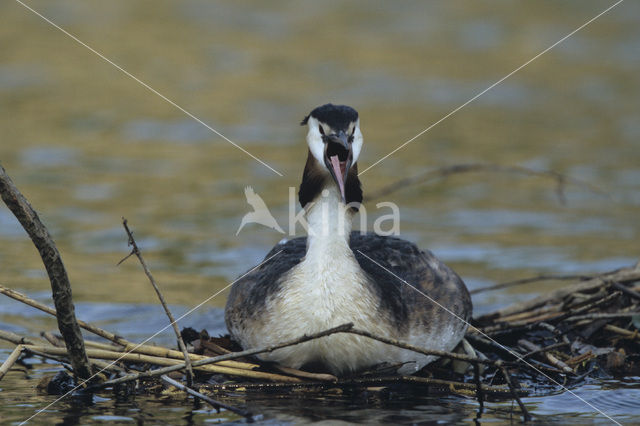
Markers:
(334, 276)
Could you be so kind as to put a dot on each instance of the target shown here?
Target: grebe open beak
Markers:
(338, 157)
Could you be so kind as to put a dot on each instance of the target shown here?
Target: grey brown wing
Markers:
(410, 281)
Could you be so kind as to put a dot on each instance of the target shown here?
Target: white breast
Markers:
(326, 289)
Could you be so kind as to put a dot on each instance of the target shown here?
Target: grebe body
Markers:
(382, 284)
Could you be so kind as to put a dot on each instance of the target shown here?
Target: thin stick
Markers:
(442, 172)
(54, 340)
(599, 315)
(507, 322)
(60, 286)
(626, 290)
(545, 349)
(529, 280)
(13, 357)
(621, 275)
(552, 359)
(125, 344)
(135, 250)
(323, 377)
(44, 351)
(479, 394)
(140, 358)
(626, 333)
(16, 295)
(17, 339)
(418, 349)
(233, 355)
(215, 404)
(588, 306)
(526, 316)
(514, 394)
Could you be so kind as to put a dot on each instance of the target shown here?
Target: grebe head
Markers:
(335, 141)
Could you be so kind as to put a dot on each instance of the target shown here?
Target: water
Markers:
(88, 145)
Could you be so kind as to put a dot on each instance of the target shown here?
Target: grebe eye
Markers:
(321, 130)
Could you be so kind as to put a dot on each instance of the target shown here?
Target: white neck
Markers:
(329, 277)
(329, 222)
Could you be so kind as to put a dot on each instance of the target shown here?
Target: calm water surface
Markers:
(88, 145)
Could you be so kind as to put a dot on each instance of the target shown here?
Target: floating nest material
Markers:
(589, 328)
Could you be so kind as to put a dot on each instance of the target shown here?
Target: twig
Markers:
(621, 275)
(552, 359)
(45, 352)
(545, 349)
(626, 290)
(154, 360)
(588, 306)
(215, 404)
(63, 360)
(230, 356)
(13, 357)
(442, 172)
(525, 413)
(403, 345)
(479, 393)
(60, 286)
(17, 339)
(626, 333)
(525, 317)
(54, 340)
(530, 280)
(600, 315)
(125, 344)
(135, 250)
(16, 295)
(323, 377)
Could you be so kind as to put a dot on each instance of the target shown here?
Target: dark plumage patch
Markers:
(315, 179)
(336, 116)
(353, 188)
(401, 257)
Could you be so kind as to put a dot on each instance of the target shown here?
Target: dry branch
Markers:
(323, 377)
(60, 286)
(17, 339)
(135, 250)
(532, 347)
(530, 280)
(125, 344)
(620, 276)
(216, 404)
(514, 395)
(443, 172)
(403, 345)
(13, 357)
(148, 359)
(230, 356)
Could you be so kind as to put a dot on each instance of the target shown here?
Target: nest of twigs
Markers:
(585, 329)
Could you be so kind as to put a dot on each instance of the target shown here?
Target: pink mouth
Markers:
(339, 169)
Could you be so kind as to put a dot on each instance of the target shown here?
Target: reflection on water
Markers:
(87, 145)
